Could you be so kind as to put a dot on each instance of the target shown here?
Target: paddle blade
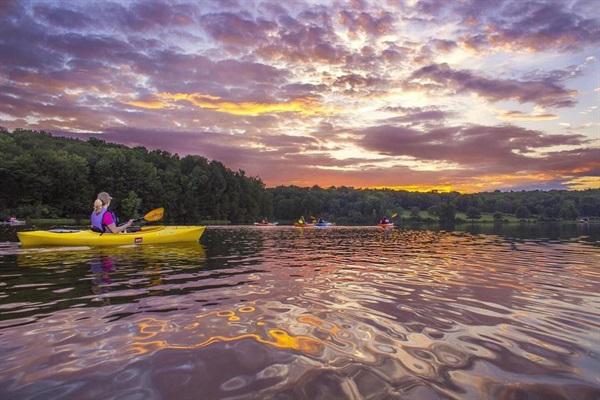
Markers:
(394, 215)
(155, 215)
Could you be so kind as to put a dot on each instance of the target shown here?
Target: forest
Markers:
(45, 177)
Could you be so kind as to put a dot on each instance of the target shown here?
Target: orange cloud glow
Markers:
(520, 116)
(304, 106)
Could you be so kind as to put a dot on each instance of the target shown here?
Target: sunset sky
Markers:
(466, 95)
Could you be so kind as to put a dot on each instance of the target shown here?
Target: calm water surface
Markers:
(319, 313)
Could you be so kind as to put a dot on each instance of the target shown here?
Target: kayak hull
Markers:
(390, 225)
(266, 224)
(147, 235)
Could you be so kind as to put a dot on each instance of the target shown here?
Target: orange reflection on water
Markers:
(320, 324)
(338, 335)
(150, 327)
(229, 314)
(140, 348)
(300, 343)
(278, 338)
(153, 329)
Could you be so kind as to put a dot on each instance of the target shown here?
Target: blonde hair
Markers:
(98, 206)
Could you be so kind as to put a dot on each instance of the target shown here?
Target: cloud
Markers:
(302, 106)
(441, 77)
(358, 93)
(503, 149)
(364, 22)
(535, 26)
(233, 29)
(583, 183)
(514, 26)
(302, 44)
(417, 116)
(513, 115)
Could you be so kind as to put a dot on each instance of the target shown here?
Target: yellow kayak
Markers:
(147, 235)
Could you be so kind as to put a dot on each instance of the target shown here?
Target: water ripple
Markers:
(290, 313)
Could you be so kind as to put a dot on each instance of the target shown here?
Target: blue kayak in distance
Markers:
(323, 224)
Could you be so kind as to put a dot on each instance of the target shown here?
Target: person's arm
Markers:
(110, 223)
(118, 229)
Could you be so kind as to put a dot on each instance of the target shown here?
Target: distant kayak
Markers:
(147, 235)
(266, 223)
(388, 225)
(13, 223)
(323, 224)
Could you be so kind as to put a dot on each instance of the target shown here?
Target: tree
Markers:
(568, 210)
(522, 213)
(415, 212)
(588, 205)
(473, 213)
(445, 212)
(130, 205)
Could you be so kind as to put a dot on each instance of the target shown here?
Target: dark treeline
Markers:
(365, 206)
(53, 177)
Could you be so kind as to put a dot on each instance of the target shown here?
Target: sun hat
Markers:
(105, 197)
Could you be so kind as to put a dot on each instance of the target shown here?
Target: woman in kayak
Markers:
(104, 220)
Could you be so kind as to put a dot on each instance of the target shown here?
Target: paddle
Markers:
(153, 216)
(394, 215)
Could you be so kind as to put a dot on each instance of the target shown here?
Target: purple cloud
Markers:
(530, 25)
(503, 149)
(232, 29)
(545, 93)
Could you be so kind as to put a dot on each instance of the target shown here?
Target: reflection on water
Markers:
(287, 313)
(101, 266)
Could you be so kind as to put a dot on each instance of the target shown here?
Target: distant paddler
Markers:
(321, 222)
(302, 222)
(385, 222)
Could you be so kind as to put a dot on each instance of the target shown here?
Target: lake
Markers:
(484, 312)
